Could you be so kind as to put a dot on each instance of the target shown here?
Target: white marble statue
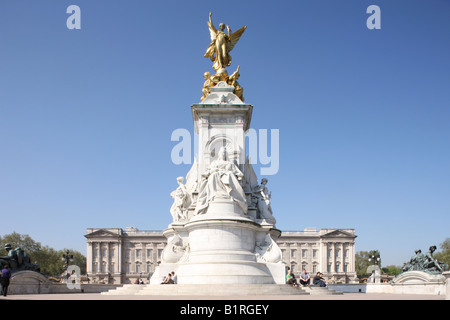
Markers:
(268, 251)
(221, 180)
(174, 250)
(263, 196)
(181, 201)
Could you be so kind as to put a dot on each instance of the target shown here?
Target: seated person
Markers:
(305, 279)
(319, 280)
(290, 279)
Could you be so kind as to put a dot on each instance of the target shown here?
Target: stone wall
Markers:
(29, 282)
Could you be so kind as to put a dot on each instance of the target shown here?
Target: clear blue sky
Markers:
(86, 115)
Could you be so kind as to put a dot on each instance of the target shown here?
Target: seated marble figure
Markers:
(221, 180)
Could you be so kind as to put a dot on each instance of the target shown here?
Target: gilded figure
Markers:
(232, 81)
(221, 44)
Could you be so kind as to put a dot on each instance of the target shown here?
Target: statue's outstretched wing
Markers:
(234, 38)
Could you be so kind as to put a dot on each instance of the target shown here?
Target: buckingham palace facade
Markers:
(117, 256)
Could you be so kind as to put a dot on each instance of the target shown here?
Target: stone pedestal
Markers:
(447, 284)
(222, 248)
(28, 282)
(411, 282)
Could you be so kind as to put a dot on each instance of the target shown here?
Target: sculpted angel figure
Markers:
(221, 180)
(221, 44)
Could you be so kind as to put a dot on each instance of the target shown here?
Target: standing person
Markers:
(305, 279)
(4, 280)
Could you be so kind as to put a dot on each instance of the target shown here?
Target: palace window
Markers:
(338, 253)
(337, 267)
(304, 252)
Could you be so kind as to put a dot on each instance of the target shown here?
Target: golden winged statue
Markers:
(221, 44)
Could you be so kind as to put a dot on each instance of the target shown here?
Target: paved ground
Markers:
(345, 296)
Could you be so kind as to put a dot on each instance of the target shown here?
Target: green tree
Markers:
(444, 254)
(18, 240)
(392, 270)
(50, 261)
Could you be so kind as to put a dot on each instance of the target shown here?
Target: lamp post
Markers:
(67, 258)
(376, 260)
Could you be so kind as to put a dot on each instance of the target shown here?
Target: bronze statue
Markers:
(18, 260)
(425, 262)
(232, 81)
(221, 44)
(213, 80)
(219, 52)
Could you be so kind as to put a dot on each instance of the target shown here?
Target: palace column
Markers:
(89, 258)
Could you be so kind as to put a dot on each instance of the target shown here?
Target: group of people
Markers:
(171, 278)
(305, 279)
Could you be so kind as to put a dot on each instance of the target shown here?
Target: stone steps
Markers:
(207, 289)
(126, 289)
(313, 290)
